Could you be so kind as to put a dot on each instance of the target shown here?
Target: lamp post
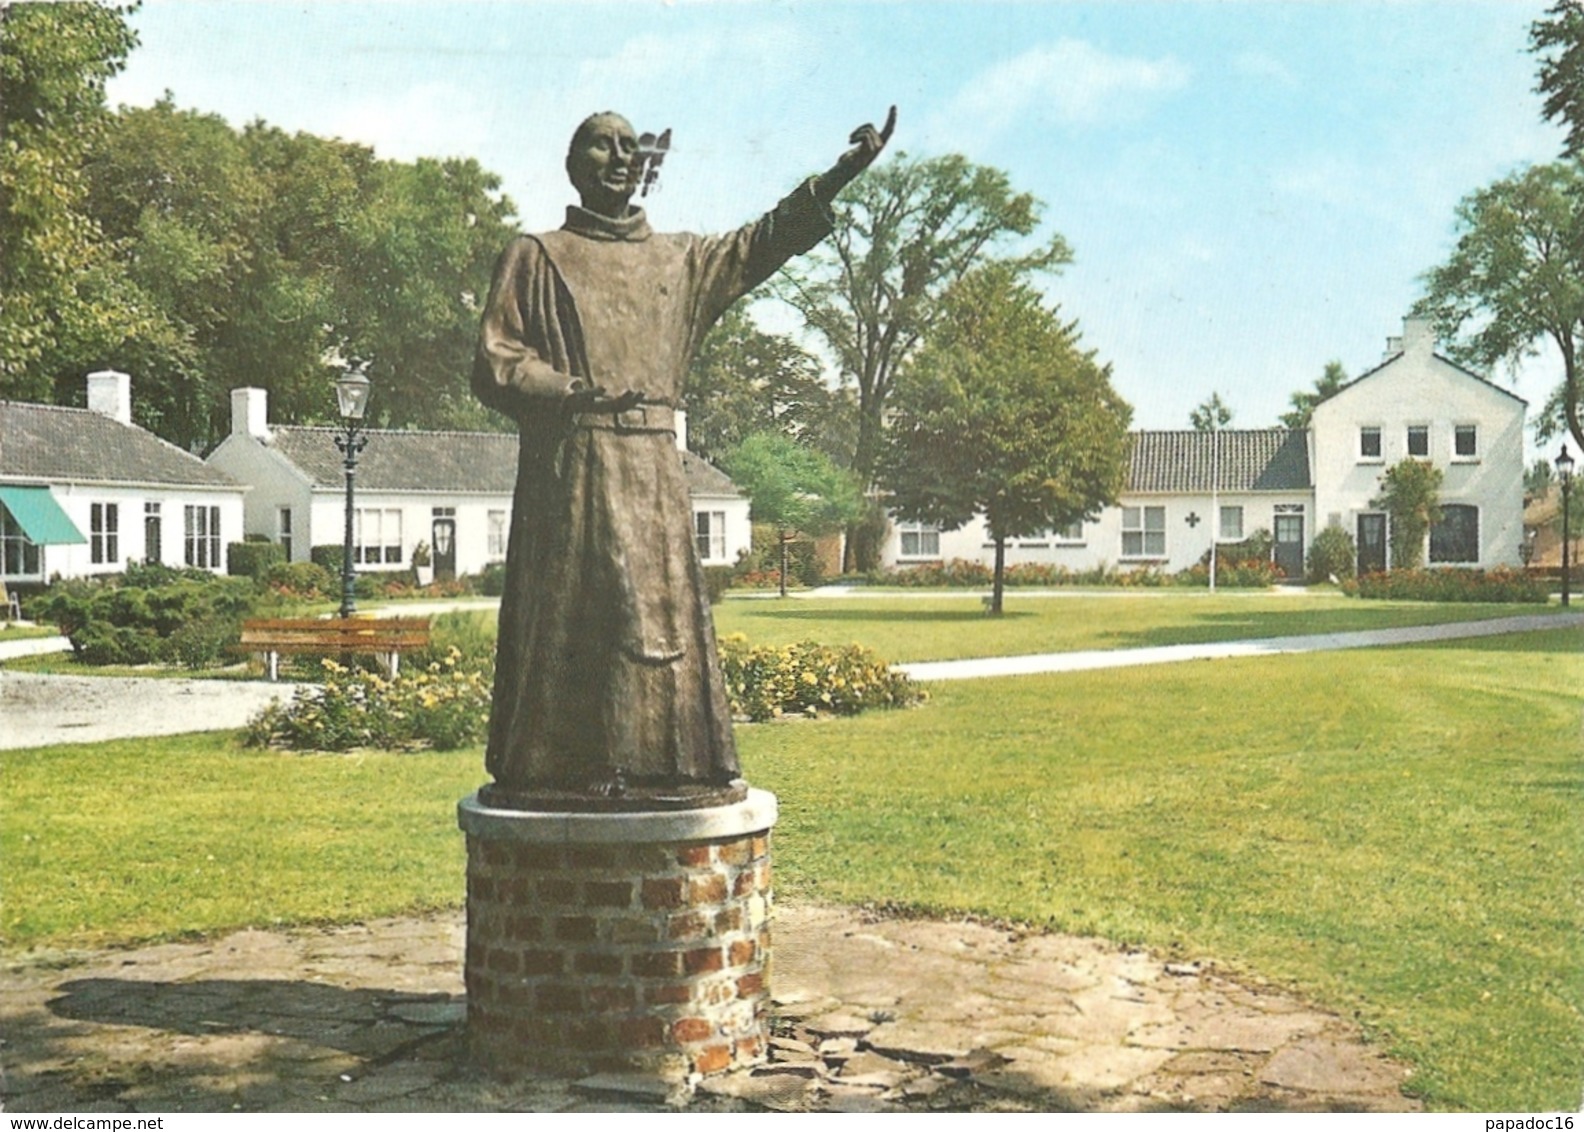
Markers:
(1564, 467)
(352, 392)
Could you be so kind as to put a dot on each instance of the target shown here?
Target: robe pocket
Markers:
(654, 652)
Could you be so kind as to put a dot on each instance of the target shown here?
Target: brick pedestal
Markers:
(625, 942)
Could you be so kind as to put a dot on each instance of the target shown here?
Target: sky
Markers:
(1251, 189)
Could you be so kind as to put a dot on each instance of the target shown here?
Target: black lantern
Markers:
(352, 394)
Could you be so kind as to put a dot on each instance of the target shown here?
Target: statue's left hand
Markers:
(867, 142)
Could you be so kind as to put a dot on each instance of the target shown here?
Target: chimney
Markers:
(681, 430)
(250, 413)
(1418, 336)
(110, 393)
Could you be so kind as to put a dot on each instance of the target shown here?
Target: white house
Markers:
(1186, 487)
(451, 491)
(86, 491)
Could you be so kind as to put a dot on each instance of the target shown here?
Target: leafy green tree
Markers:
(1558, 40)
(1303, 402)
(1410, 496)
(1516, 278)
(64, 305)
(1003, 413)
(1210, 415)
(744, 381)
(905, 233)
(793, 488)
(1538, 478)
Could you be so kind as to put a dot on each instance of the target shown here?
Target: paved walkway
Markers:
(871, 1015)
(1271, 646)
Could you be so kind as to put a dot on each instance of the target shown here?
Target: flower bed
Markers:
(770, 681)
(1498, 585)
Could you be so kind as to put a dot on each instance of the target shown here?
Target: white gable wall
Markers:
(275, 483)
(130, 544)
(1419, 389)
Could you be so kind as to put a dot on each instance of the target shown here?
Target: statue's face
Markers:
(602, 163)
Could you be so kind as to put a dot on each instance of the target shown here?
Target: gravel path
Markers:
(39, 711)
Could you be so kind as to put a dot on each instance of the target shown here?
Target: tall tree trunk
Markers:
(862, 550)
(784, 538)
(998, 584)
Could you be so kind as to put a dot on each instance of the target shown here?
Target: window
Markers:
(104, 532)
(283, 531)
(202, 536)
(1072, 532)
(1231, 523)
(1418, 440)
(151, 532)
(1465, 441)
(1456, 537)
(1143, 532)
(495, 536)
(709, 535)
(19, 557)
(919, 540)
(1369, 443)
(377, 535)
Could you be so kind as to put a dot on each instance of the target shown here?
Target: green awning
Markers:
(39, 516)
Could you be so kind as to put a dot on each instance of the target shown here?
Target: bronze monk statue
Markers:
(608, 691)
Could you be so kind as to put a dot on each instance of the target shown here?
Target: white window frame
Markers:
(1460, 430)
(1408, 441)
(495, 535)
(1144, 528)
(709, 536)
(104, 533)
(283, 530)
(923, 537)
(16, 548)
(377, 536)
(1379, 455)
(152, 510)
(1229, 510)
(201, 535)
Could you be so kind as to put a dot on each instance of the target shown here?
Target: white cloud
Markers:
(1070, 82)
(427, 120)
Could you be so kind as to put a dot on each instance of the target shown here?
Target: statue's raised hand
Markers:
(867, 142)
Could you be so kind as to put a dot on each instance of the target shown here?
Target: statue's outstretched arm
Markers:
(866, 142)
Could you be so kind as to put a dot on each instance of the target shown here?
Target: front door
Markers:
(444, 532)
(1290, 545)
(1371, 544)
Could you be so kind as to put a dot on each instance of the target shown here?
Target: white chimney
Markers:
(110, 393)
(250, 413)
(1418, 336)
(681, 430)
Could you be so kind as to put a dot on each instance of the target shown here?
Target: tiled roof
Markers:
(1265, 459)
(54, 444)
(403, 460)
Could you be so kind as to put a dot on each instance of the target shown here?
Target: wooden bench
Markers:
(384, 637)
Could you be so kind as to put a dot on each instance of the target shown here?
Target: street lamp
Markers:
(352, 392)
(1564, 467)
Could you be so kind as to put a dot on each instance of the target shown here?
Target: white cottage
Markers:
(1186, 487)
(451, 491)
(86, 491)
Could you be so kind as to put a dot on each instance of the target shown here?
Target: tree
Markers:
(744, 380)
(1210, 415)
(1538, 479)
(1515, 278)
(793, 488)
(65, 304)
(1410, 496)
(905, 233)
(1303, 402)
(1003, 414)
(1558, 40)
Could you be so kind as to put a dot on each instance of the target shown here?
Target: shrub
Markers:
(962, 572)
(306, 581)
(1498, 585)
(442, 706)
(764, 560)
(1251, 573)
(150, 614)
(769, 681)
(717, 580)
(491, 581)
(1331, 555)
(330, 556)
(252, 559)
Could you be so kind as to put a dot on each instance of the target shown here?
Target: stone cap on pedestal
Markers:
(754, 814)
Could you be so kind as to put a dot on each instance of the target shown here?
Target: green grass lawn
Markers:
(910, 628)
(1398, 834)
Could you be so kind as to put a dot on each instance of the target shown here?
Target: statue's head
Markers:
(602, 163)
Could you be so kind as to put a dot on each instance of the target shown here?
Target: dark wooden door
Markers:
(1290, 546)
(1371, 543)
(444, 531)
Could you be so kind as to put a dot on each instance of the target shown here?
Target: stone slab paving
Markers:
(873, 1014)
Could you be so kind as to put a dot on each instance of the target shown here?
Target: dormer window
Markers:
(1419, 440)
(1370, 443)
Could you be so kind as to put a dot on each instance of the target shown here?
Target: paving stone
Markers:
(431, 1013)
(1331, 1067)
(1231, 1030)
